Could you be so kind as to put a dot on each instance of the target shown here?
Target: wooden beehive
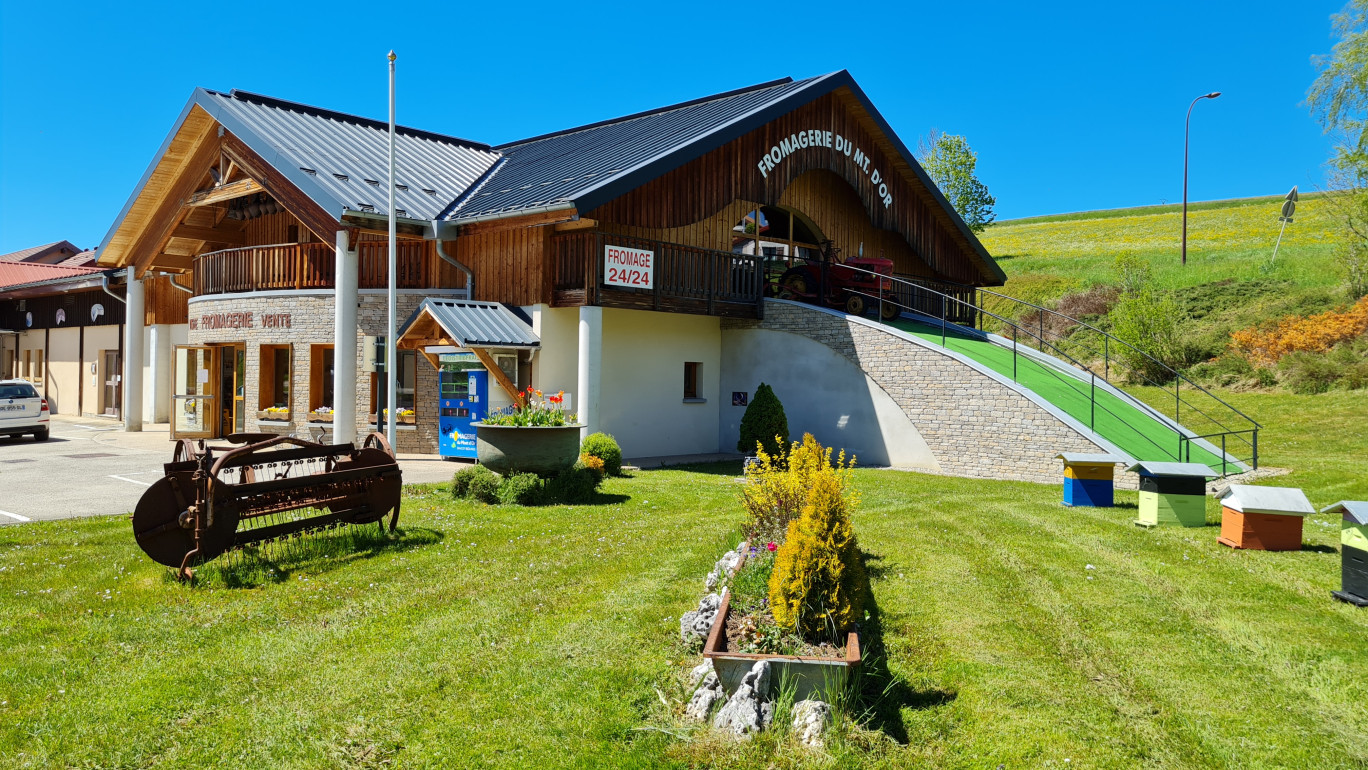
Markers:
(1353, 551)
(1172, 494)
(1088, 479)
(1263, 518)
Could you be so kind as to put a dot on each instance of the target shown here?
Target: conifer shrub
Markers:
(521, 489)
(818, 584)
(605, 448)
(764, 423)
(780, 484)
(476, 483)
(594, 464)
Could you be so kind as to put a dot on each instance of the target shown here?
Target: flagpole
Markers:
(391, 353)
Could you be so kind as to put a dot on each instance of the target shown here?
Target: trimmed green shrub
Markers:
(764, 423)
(819, 584)
(521, 489)
(574, 485)
(476, 483)
(605, 448)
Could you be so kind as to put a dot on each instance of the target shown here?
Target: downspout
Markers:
(104, 284)
(171, 279)
(447, 230)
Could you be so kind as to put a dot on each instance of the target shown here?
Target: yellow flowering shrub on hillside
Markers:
(1316, 334)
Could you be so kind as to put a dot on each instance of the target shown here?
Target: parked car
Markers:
(22, 410)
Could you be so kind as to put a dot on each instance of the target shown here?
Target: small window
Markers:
(320, 377)
(692, 370)
(276, 376)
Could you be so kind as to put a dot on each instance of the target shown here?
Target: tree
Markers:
(1339, 100)
(764, 423)
(950, 163)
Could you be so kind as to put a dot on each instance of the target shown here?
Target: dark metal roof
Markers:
(566, 165)
(1147, 468)
(476, 324)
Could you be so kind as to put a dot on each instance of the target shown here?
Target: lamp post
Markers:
(1186, 125)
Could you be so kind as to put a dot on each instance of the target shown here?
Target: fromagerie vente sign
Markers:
(633, 268)
(240, 320)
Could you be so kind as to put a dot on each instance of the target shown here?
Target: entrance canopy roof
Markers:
(466, 324)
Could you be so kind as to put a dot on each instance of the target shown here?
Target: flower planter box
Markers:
(508, 449)
(407, 419)
(819, 678)
(320, 416)
(273, 416)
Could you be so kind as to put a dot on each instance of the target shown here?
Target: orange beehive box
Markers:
(1263, 518)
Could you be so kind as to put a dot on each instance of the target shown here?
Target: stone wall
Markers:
(975, 425)
(311, 323)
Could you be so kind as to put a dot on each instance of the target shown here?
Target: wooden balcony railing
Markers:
(686, 278)
(307, 266)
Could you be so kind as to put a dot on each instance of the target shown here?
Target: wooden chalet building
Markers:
(274, 212)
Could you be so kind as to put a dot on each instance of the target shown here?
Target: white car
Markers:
(22, 410)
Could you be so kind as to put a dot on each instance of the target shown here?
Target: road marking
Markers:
(15, 516)
(131, 481)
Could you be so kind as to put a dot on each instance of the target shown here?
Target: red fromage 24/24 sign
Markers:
(628, 267)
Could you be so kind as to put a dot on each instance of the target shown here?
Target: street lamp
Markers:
(1186, 124)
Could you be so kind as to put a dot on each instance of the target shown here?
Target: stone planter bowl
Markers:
(817, 678)
(506, 449)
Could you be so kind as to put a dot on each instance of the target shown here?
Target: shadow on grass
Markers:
(881, 694)
(1319, 548)
(255, 566)
(720, 468)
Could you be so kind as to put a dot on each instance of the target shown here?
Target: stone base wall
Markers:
(312, 323)
(975, 425)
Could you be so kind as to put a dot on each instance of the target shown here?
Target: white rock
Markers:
(704, 698)
(695, 624)
(700, 671)
(810, 721)
(747, 711)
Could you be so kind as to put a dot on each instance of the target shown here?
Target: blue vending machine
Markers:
(464, 400)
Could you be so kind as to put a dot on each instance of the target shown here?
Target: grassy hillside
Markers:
(1066, 261)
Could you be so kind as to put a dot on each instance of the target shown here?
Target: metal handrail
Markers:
(1184, 441)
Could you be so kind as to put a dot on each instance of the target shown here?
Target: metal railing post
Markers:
(1106, 358)
(1014, 353)
(1256, 449)
(1092, 405)
(1223, 455)
(881, 315)
(943, 320)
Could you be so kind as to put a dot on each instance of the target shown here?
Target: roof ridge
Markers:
(656, 111)
(271, 101)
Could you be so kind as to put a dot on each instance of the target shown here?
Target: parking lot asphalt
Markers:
(91, 467)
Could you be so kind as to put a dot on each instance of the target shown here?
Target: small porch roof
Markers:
(466, 324)
(1353, 510)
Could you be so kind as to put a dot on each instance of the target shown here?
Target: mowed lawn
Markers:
(514, 637)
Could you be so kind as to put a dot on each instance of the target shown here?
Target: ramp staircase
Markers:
(1145, 408)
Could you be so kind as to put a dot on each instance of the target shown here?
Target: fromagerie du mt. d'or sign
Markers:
(818, 138)
(634, 268)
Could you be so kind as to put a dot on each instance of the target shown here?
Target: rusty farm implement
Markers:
(262, 489)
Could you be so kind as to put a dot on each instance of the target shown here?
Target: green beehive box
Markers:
(1172, 494)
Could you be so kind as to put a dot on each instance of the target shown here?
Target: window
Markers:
(276, 376)
(320, 377)
(776, 234)
(406, 386)
(692, 371)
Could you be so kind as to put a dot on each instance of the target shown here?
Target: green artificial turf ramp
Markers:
(1118, 420)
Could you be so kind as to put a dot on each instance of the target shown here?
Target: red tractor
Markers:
(852, 285)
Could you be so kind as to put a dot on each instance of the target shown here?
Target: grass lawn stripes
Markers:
(1130, 428)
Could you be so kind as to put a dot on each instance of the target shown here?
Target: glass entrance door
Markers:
(195, 398)
(233, 373)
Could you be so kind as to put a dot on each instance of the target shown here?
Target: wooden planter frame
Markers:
(810, 676)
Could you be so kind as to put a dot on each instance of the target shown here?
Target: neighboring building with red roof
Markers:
(48, 253)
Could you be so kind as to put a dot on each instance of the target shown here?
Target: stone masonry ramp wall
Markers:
(975, 424)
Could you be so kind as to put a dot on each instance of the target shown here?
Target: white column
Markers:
(159, 354)
(133, 359)
(590, 357)
(344, 342)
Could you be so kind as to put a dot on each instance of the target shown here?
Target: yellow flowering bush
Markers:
(780, 486)
(818, 585)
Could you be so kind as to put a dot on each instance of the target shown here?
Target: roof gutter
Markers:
(564, 206)
(104, 284)
(171, 279)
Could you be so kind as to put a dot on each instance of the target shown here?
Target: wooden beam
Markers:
(577, 224)
(499, 376)
(513, 223)
(158, 227)
(320, 223)
(431, 358)
(173, 262)
(225, 192)
(210, 235)
(369, 224)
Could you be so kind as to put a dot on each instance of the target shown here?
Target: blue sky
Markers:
(1069, 106)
